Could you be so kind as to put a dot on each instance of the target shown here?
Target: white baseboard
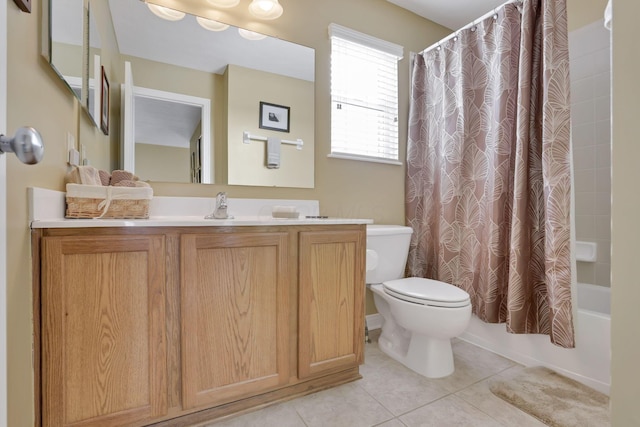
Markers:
(374, 321)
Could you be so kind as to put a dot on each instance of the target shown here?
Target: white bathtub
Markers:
(588, 363)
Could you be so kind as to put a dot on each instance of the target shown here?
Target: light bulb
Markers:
(210, 24)
(250, 35)
(165, 12)
(225, 4)
(265, 9)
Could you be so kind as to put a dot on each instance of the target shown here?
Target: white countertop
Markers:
(192, 221)
(47, 210)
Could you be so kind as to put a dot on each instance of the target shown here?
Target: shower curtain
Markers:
(488, 181)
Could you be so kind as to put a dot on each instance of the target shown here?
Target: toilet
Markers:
(420, 315)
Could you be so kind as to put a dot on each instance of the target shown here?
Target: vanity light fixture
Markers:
(265, 9)
(224, 4)
(210, 24)
(165, 12)
(250, 35)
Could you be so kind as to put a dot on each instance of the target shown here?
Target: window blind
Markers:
(364, 95)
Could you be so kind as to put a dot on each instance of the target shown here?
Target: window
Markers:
(364, 96)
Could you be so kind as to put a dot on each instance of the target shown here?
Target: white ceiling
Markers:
(453, 14)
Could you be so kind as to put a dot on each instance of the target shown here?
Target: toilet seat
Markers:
(427, 292)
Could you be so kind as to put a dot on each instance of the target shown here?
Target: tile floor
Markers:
(391, 395)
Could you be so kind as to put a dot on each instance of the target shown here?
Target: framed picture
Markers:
(104, 104)
(274, 117)
(24, 5)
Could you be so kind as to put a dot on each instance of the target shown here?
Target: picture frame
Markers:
(24, 5)
(274, 117)
(104, 103)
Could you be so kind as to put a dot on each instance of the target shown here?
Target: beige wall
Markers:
(625, 282)
(38, 98)
(247, 162)
(163, 163)
(583, 12)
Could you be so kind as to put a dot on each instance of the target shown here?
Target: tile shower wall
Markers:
(589, 51)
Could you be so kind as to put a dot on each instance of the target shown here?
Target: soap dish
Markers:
(286, 215)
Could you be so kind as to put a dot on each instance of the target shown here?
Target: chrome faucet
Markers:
(220, 210)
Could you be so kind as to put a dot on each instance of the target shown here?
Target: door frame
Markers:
(3, 218)
(130, 92)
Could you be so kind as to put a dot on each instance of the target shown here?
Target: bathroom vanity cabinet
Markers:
(180, 325)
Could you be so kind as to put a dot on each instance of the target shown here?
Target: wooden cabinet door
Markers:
(331, 301)
(235, 315)
(103, 336)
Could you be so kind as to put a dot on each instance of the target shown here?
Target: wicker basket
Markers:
(94, 201)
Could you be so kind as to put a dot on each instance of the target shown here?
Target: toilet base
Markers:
(430, 357)
(419, 336)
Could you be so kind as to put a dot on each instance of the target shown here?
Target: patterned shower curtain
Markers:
(488, 168)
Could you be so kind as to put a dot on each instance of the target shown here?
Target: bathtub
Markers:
(589, 362)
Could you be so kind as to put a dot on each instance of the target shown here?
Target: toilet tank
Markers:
(387, 251)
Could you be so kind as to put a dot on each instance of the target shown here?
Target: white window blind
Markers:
(364, 96)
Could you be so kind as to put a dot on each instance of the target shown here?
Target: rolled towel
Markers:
(105, 177)
(121, 175)
(125, 183)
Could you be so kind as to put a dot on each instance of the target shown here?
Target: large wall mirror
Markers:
(69, 28)
(64, 42)
(191, 78)
(193, 90)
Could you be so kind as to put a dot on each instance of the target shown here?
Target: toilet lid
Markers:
(427, 292)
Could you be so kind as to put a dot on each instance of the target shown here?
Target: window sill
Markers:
(364, 159)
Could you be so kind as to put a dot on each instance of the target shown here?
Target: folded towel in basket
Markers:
(86, 175)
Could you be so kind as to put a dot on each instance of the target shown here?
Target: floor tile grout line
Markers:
(393, 416)
(449, 390)
(486, 379)
(453, 393)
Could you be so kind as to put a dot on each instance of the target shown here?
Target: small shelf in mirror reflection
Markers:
(247, 138)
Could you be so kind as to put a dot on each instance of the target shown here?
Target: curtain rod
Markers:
(471, 24)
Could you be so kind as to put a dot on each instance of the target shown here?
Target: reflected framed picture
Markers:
(104, 104)
(274, 117)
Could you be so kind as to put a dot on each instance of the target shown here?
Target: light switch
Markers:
(74, 157)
